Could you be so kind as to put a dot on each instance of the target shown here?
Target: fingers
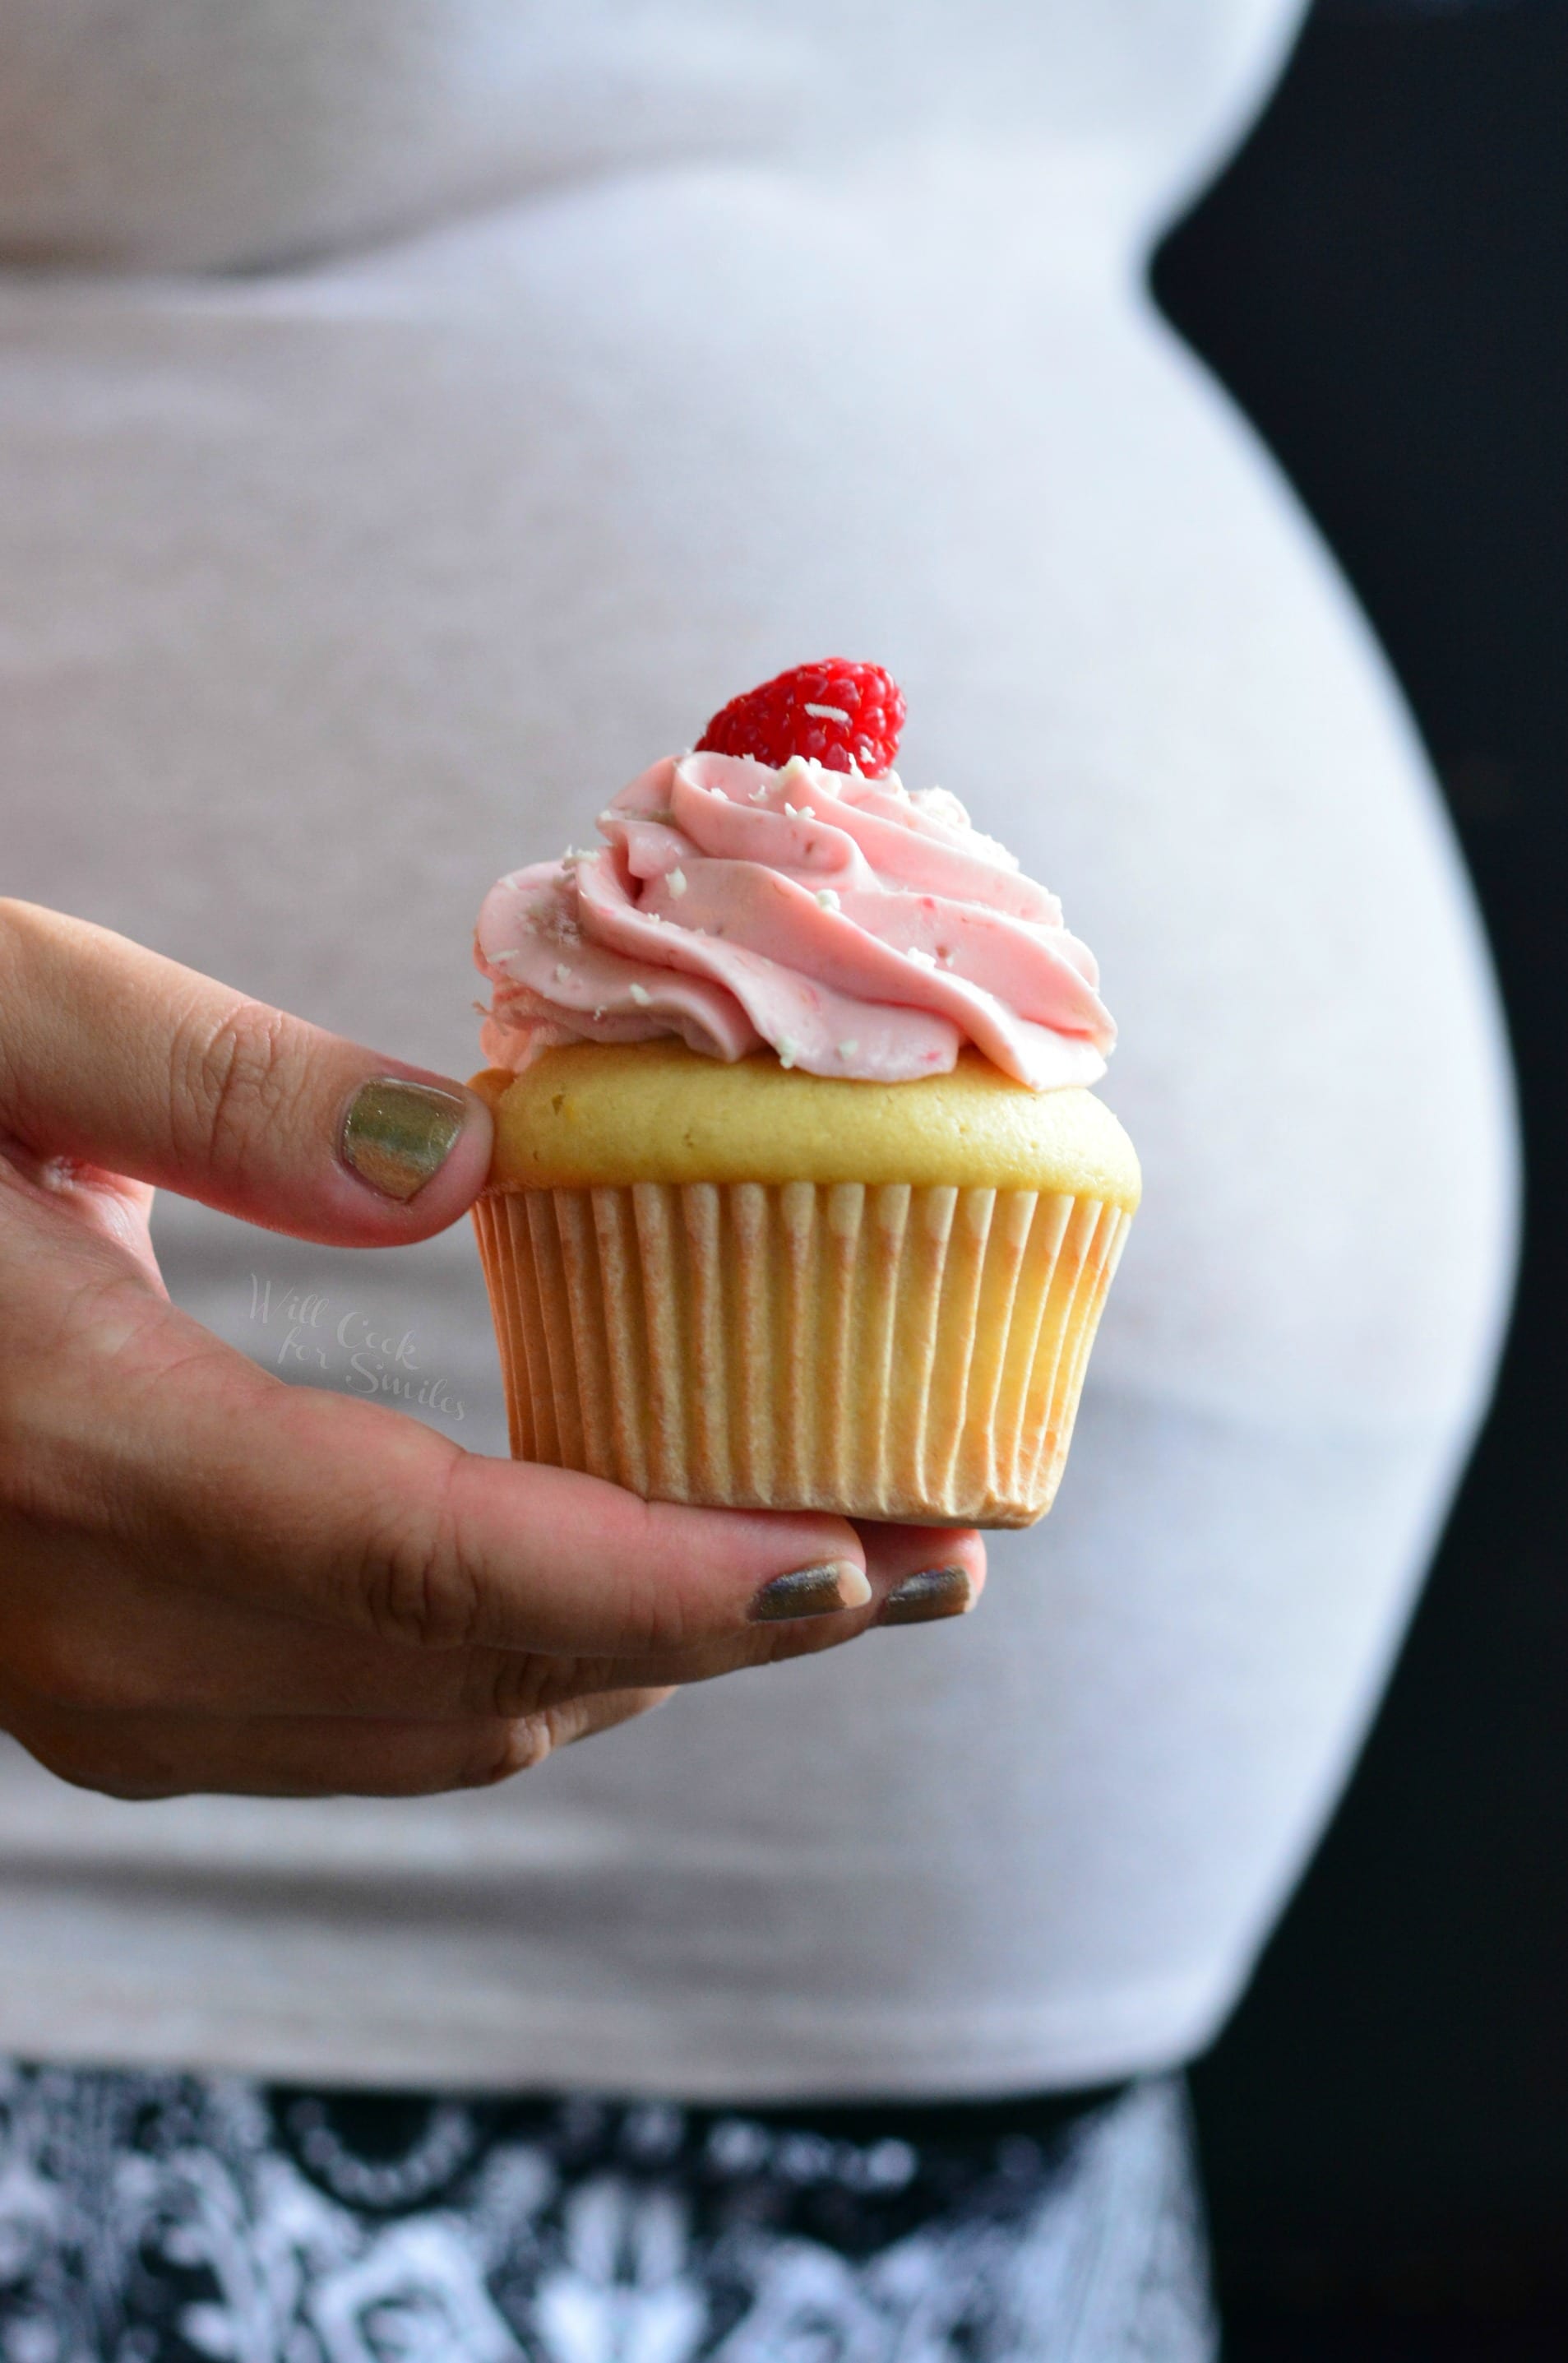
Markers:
(284, 1551)
(918, 1575)
(119, 1059)
(133, 1646)
(205, 1470)
(350, 1515)
(86, 1637)
(125, 1645)
(144, 1757)
(923, 1575)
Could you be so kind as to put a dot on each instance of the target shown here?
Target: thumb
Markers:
(114, 1057)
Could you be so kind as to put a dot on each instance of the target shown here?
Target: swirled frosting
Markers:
(858, 928)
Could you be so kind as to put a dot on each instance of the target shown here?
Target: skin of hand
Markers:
(211, 1581)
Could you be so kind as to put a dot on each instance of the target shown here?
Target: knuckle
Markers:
(414, 1592)
(414, 1582)
(66, 1673)
(78, 1686)
(501, 1749)
(654, 1619)
(512, 1688)
(230, 1076)
(572, 1720)
(588, 1716)
(657, 1626)
(104, 1763)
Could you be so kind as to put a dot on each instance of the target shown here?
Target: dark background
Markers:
(1381, 279)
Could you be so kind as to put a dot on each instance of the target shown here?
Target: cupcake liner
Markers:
(885, 1352)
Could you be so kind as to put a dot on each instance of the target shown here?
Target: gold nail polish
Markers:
(810, 1592)
(920, 1598)
(398, 1135)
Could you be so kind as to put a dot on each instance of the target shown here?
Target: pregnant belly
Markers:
(336, 596)
(331, 598)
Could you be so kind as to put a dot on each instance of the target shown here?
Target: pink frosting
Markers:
(860, 929)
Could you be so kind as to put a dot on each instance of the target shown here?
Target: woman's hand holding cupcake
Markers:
(213, 1580)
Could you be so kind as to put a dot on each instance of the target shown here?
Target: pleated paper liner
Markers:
(887, 1352)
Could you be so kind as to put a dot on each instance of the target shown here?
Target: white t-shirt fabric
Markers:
(416, 415)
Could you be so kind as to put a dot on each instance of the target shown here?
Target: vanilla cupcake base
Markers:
(883, 1350)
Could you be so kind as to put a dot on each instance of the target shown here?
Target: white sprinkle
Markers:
(947, 959)
(921, 959)
(641, 995)
(788, 1050)
(676, 881)
(827, 898)
(563, 973)
(847, 1050)
(598, 1013)
(655, 916)
(828, 713)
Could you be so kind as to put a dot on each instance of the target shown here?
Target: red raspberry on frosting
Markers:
(843, 714)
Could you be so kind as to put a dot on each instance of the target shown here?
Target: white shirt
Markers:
(415, 416)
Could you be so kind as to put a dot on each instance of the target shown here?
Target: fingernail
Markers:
(397, 1134)
(810, 1592)
(922, 1599)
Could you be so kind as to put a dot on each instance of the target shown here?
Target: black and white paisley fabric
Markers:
(170, 2219)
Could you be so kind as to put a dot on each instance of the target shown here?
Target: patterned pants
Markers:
(165, 2218)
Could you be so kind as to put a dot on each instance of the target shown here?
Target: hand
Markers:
(213, 1580)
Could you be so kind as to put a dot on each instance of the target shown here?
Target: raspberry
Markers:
(835, 711)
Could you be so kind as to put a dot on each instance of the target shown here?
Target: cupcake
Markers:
(800, 1197)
